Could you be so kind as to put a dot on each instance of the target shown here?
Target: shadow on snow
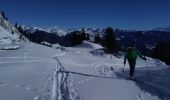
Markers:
(155, 82)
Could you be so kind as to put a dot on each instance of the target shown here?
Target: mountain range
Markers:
(150, 37)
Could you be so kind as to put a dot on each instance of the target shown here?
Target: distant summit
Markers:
(165, 29)
(55, 30)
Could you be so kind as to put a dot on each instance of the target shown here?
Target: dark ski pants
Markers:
(132, 64)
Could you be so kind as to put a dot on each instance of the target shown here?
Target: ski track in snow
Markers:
(61, 81)
(60, 89)
(63, 85)
(63, 88)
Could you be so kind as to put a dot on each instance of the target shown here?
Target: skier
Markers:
(131, 56)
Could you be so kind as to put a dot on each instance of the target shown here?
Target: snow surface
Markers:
(36, 72)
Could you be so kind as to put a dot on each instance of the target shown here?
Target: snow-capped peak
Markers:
(57, 30)
(31, 29)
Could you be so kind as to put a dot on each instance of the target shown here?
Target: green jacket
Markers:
(132, 55)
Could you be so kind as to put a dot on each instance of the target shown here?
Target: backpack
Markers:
(131, 54)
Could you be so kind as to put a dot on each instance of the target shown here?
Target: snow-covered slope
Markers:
(6, 37)
(100, 77)
(7, 25)
(36, 72)
(9, 35)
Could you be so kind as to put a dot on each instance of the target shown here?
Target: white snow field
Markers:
(36, 72)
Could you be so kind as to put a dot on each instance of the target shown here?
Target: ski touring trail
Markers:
(76, 74)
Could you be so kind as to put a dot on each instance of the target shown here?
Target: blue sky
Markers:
(124, 14)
